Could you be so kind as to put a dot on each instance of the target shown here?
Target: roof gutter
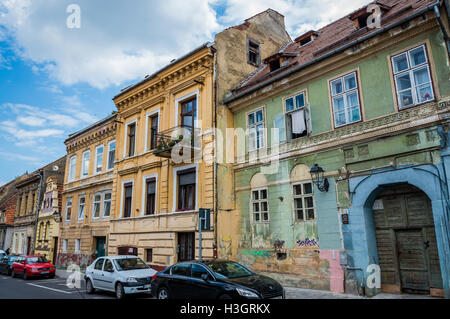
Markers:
(338, 50)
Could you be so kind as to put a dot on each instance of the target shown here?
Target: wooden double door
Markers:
(186, 246)
(406, 241)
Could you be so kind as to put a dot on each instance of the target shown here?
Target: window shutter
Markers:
(187, 179)
(308, 119)
(151, 186)
(279, 122)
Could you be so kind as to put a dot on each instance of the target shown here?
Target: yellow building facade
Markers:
(88, 197)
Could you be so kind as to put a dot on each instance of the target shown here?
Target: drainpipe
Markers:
(444, 31)
(214, 99)
(41, 174)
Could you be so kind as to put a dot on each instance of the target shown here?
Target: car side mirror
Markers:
(205, 277)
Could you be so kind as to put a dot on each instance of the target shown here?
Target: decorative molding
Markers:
(93, 136)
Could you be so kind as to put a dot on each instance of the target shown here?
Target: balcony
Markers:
(185, 138)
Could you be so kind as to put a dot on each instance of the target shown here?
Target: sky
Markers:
(56, 80)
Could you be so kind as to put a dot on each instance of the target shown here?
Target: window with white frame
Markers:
(77, 245)
(81, 206)
(260, 205)
(111, 154)
(297, 116)
(131, 139)
(99, 158)
(72, 167)
(96, 206)
(107, 204)
(69, 209)
(412, 77)
(64, 246)
(255, 127)
(303, 194)
(345, 100)
(85, 164)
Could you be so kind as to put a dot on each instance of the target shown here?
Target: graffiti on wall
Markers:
(307, 243)
(256, 253)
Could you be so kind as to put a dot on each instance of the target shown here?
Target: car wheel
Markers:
(120, 293)
(163, 293)
(89, 287)
(51, 276)
(225, 297)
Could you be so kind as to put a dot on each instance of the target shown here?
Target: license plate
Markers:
(44, 272)
(146, 287)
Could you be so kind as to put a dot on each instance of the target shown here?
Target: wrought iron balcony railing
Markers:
(184, 137)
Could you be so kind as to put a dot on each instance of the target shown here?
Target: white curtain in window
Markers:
(298, 122)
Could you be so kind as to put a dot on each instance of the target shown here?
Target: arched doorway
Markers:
(406, 241)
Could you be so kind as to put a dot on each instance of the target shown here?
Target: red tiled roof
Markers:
(330, 37)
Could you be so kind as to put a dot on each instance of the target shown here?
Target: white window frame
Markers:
(81, 218)
(180, 100)
(302, 197)
(77, 248)
(259, 201)
(125, 144)
(305, 108)
(83, 161)
(106, 201)
(147, 127)
(122, 197)
(254, 126)
(144, 193)
(65, 244)
(344, 95)
(101, 146)
(109, 150)
(71, 209)
(410, 70)
(175, 186)
(99, 206)
(72, 168)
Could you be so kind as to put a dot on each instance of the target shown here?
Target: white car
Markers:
(120, 274)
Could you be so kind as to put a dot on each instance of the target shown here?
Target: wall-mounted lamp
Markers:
(317, 177)
(57, 217)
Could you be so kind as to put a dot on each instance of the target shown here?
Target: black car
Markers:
(213, 279)
(6, 264)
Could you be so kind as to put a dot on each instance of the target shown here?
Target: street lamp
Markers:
(57, 217)
(317, 177)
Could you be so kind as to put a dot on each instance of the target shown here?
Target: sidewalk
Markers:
(300, 293)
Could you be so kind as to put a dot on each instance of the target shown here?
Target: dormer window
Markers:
(361, 16)
(253, 52)
(306, 38)
(274, 65)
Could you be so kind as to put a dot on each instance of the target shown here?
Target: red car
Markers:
(32, 266)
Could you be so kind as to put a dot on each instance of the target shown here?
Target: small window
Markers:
(81, 205)
(149, 255)
(99, 159)
(303, 195)
(260, 206)
(65, 244)
(97, 205)
(255, 127)
(69, 209)
(72, 167)
(77, 245)
(186, 190)
(150, 196)
(274, 65)
(154, 123)
(131, 139)
(189, 112)
(107, 204)
(85, 166)
(297, 116)
(253, 52)
(412, 77)
(128, 198)
(345, 100)
(111, 154)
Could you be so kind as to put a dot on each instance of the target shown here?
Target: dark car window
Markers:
(197, 271)
(99, 264)
(37, 260)
(181, 270)
(12, 258)
(229, 269)
(108, 266)
(5, 259)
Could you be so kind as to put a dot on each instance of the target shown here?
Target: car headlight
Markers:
(246, 293)
(34, 269)
(131, 279)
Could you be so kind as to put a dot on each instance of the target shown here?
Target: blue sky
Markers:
(55, 80)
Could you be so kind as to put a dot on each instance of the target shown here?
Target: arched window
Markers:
(303, 194)
(47, 230)
(259, 199)
(41, 226)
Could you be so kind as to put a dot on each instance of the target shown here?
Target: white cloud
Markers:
(118, 41)
(25, 158)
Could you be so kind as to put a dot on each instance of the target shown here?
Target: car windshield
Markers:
(12, 258)
(36, 260)
(130, 264)
(229, 270)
